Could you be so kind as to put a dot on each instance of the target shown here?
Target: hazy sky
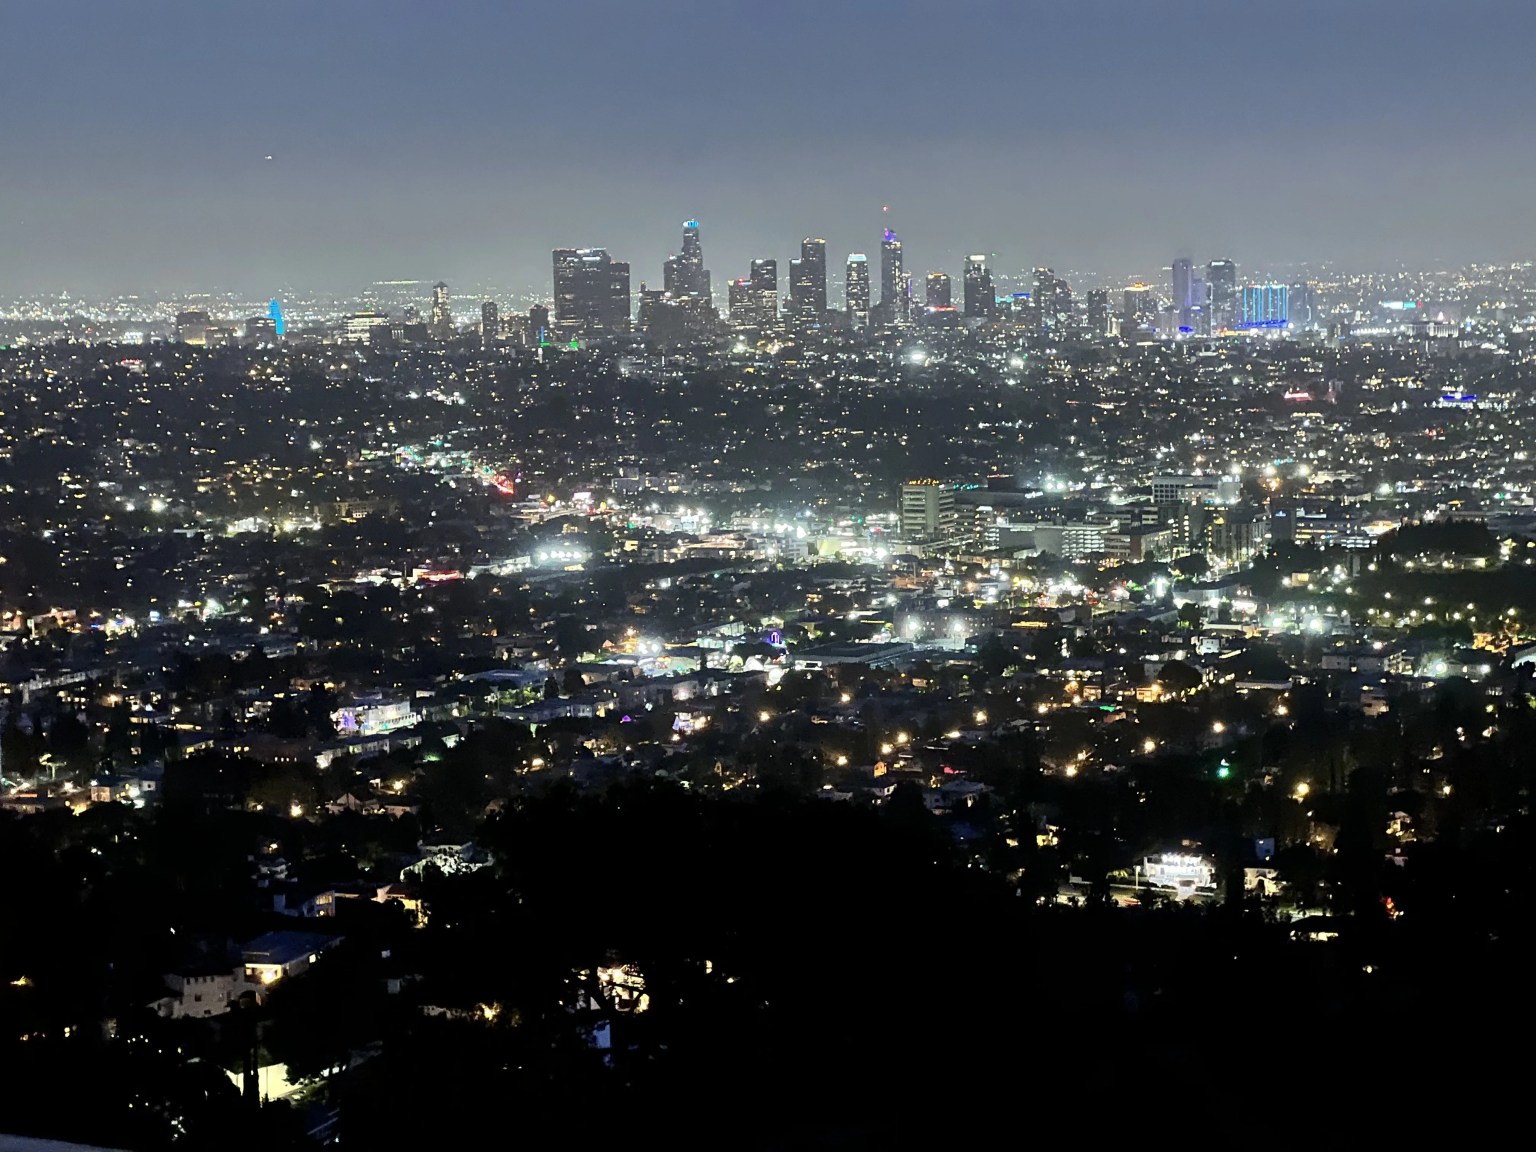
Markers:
(463, 139)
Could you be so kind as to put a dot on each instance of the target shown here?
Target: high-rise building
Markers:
(591, 293)
(754, 300)
(685, 274)
(1183, 278)
(538, 326)
(927, 510)
(739, 300)
(260, 330)
(765, 275)
(742, 305)
(365, 327)
(1053, 300)
(693, 254)
(980, 299)
(1199, 319)
(1140, 310)
(893, 300)
(1098, 311)
(275, 314)
(763, 294)
(667, 319)
(1301, 306)
(442, 312)
(490, 323)
(1265, 306)
(808, 282)
(1190, 298)
(192, 326)
(856, 290)
(939, 294)
(1221, 276)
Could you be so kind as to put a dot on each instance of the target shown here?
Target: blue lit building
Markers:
(275, 314)
(1266, 306)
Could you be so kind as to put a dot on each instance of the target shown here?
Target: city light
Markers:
(637, 625)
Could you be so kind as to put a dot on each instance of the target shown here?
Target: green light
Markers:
(575, 345)
(1223, 771)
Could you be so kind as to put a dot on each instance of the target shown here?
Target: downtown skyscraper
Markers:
(684, 275)
(441, 325)
(1221, 275)
(1189, 297)
(490, 323)
(893, 286)
(856, 290)
(1053, 300)
(980, 298)
(939, 293)
(754, 301)
(591, 293)
(808, 282)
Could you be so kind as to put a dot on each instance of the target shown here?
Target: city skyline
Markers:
(558, 562)
(400, 141)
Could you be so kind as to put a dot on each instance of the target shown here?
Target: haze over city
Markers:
(465, 139)
(768, 576)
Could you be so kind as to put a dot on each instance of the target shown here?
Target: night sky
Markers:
(463, 139)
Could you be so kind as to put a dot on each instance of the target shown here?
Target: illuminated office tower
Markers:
(927, 510)
(1221, 276)
(808, 282)
(1140, 306)
(980, 299)
(893, 301)
(754, 300)
(275, 314)
(591, 293)
(192, 326)
(1098, 311)
(739, 301)
(442, 312)
(743, 308)
(765, 290)
(939, 294)
(684, 275)
(1053, 299)
(490, 323)
(1265, 306)
(857, 290)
